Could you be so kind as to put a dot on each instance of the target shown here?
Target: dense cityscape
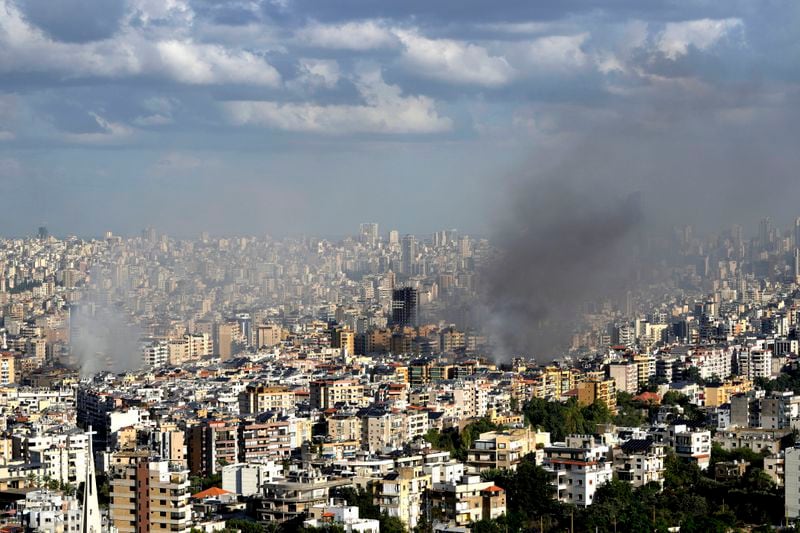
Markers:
(253, 384)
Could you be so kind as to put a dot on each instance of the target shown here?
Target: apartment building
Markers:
(468, 499)
(639, 462)
(578, 467)
(257, 399)
(327, 393)
(148, 495)
(598, 390)
(504, 449)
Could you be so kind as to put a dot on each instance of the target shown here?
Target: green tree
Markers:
(244, 525)
(391, 524)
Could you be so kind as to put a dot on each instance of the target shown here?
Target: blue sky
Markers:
(292, 116)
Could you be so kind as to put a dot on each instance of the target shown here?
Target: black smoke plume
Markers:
(562, 242)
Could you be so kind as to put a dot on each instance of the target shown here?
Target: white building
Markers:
(347, 517)
(62, 455)
(687, 443)
(639, 462)
(50, 512)
(754, 363)
(578, 466)
(246, 479)
(155, 354)
(792, 482)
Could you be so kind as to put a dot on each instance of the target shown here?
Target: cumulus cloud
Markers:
(453, 61)
(678, 37)
(194, 63)
(384, 110)
(557, 51)
(362, 35)
(317, 73)
(26, 48)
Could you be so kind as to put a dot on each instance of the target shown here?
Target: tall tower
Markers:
(405, 310)
(90, 511)
(409, 254)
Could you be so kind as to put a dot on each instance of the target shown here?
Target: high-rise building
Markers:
(408, 253)
(405, 307)
(394, 238)
(268, 335)
(245, 327)
(625, 376)
(225, 335)
(344, 339)
(148, 494)
(598, 390)
(792, 482)
(368, 232)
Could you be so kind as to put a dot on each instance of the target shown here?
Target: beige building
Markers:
(189, 347)
(625, 376)
(602, 390)
(504, 449)
(226, 333)
(467, 500)
(7, 369)
(344, 428)
(553, 383)
(400, 494)
(721, 394)
(344, 339)
(259, 398)
(268, 335)
(326, 393)
(148, 495)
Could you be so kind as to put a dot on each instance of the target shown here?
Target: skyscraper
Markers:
(404, 307)
(368, 233)
(409, 254)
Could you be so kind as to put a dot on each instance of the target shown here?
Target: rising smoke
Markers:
(103, 338)
(561, 244)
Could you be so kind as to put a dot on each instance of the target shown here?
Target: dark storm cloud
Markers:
(75, 21)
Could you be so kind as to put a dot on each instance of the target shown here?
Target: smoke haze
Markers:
(103, 338)
(559, 247)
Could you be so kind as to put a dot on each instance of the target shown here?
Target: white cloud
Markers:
(385, 110)
(678, 37)
(153, 120)
(557, 52)
(314, 73)
(27, 49)
(454, 61)
(193, 63)
(364, 35)
(111, 133)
